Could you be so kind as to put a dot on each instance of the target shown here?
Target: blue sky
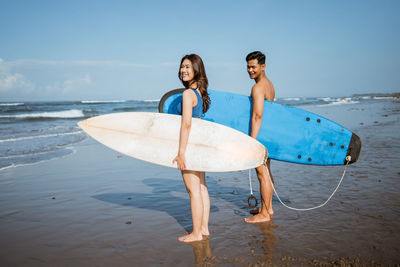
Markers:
(104, 50)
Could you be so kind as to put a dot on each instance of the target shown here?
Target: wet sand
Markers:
(98, 208)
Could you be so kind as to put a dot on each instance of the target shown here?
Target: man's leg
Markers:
(266, 196)
(270, 210)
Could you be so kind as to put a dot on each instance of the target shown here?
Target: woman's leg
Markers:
(206, 204)
(192, 183)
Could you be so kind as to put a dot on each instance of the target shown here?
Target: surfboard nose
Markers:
(354, 148)
(82, 124)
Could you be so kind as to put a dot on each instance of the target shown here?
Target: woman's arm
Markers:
(188, 99)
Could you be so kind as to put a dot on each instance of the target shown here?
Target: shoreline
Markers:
(97, 207)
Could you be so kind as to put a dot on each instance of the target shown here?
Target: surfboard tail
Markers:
(354, 148)
(166, 96)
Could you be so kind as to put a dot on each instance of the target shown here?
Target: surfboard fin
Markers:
(354, 148)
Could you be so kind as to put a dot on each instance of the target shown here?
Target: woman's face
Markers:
(186, 71)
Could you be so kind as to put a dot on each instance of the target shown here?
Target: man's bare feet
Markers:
(259, 218)
(258, 210)
(190, 238)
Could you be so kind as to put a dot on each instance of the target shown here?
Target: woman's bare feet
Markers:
(190, 238)
(259, 218)
(205, 232)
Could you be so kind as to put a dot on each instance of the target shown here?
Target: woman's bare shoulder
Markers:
(189, 93)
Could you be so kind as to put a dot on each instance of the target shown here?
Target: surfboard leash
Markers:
(252, 200)
(348, 159)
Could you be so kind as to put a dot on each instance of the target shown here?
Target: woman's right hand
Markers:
(180, 162)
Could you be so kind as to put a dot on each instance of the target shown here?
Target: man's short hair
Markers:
(256, 55)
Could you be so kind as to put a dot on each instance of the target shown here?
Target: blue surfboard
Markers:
(290, 134)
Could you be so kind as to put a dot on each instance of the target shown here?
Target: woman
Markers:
(195, 102)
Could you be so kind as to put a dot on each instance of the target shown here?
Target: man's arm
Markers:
(258, 108)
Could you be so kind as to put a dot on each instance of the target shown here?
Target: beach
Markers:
(96, 207)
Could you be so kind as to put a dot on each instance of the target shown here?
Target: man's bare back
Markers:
(266, 87)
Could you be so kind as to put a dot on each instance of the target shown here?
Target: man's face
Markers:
(254, 69)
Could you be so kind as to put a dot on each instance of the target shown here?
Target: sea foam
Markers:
(66, 114)
(38, 136)
(11, 104)
(101, 101)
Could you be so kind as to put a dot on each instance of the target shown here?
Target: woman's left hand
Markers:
(180, 162)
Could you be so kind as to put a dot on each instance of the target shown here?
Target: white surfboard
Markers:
(154, 137)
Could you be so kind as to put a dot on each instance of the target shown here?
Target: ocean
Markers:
(31, 132)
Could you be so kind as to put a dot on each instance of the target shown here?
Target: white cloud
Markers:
(46, 80)
(77, 79)
(12, 81)
(75, 84)
(68, 86)
(9, 81)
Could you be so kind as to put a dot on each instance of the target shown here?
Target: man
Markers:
(262, 90)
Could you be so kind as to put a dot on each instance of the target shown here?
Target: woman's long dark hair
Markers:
(200, 78)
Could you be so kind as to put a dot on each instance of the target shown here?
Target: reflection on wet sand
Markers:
(202, 252)
(269, 239)
(267, 244)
